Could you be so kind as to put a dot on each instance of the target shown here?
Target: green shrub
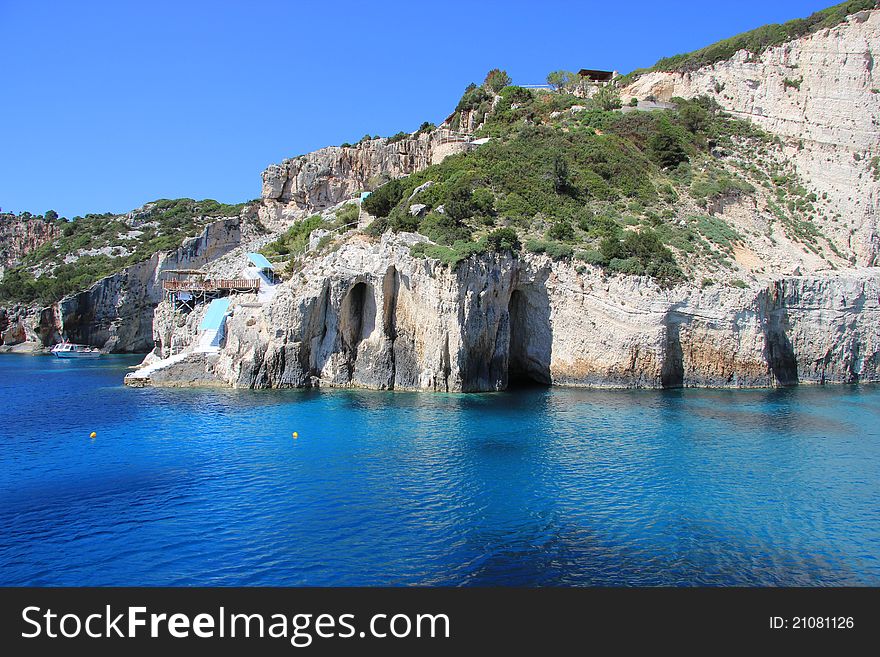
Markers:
(443, 229)
(606, 98)
(347, 214)
(449, 255)
(503, 239)
(472, 97)
(716, 183)
(425, 128)
(592, 257)
(400, 136)
(294, 240)
(666, 147)
(380, 202)
(561, 231)
(718, 231)
(483, 201)
(641, 253)
(555, 250)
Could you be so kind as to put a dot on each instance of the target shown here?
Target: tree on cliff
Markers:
(496, 80)
(559, 80)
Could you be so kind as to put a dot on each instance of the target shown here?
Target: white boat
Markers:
(70, 350)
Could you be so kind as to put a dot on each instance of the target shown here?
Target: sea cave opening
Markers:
(530, 341)
(357, 317)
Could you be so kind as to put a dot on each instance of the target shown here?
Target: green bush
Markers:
(592, 257)
(347, 214)
(555, 250)
(381, 201)
(503, 239)
(472, 97)
(718, 231)
(716, 183)
(666, 147)
(400, 136)
(606, 98)
(443, 229)
(483, 201)
(426, 128)
(449, 255)
(641, 254)
(294, 240)
(561, 231)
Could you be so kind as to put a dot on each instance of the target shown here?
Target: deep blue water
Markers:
(529, 487)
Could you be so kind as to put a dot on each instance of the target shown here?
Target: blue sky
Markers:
(107, 105)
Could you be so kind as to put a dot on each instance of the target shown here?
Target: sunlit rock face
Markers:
(370, 315)
(821, 95)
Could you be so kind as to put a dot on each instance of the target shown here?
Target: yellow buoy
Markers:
(93, 435)
(295, 435)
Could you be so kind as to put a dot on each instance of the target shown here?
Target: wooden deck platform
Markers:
(190, 292)
(212, 285)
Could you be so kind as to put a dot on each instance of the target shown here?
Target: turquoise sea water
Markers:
(528, 487)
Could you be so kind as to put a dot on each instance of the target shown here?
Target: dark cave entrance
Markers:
(357, 316)
(530, 341)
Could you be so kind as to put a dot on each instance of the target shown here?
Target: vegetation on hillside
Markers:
(597, 185)
(292, 245)
(758, 40)
(97, 245)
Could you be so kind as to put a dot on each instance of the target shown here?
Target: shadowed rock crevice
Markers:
(531, 339)
(779, 352)
(357, 319)
(672, 371)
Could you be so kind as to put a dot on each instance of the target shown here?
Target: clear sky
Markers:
(108, 105)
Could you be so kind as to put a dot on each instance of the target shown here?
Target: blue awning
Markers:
(213, 319)
(259, 261)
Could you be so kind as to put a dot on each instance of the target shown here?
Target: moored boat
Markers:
(70, 350)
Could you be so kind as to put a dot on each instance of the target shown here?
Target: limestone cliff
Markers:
(21, 235)
(325, 177)
(366, 312)
(370, 315)
(116, 313)
(821, 95)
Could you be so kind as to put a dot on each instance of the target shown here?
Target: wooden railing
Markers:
(212, 284)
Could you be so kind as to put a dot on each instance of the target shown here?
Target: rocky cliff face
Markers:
(821, 95)
(116, 313)
(326, 177)
(370, 315)
(19, 236)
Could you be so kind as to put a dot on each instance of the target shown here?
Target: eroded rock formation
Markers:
(370, 315)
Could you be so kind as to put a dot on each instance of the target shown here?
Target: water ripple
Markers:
(533, 487)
